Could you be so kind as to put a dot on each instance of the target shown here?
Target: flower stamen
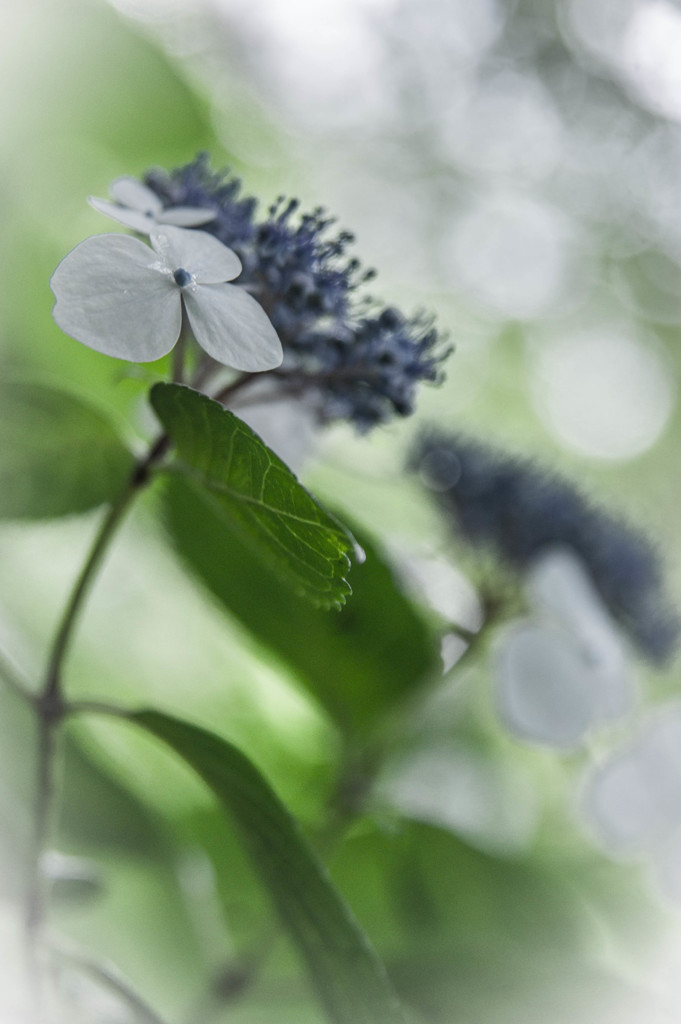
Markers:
(182, 277)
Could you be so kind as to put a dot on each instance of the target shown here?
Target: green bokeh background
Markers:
(552, 931)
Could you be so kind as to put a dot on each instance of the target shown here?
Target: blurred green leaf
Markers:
(348, 977)
(252, 491)
(58, 455)
(358, 662)
(98, 812)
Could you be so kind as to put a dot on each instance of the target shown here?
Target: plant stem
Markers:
(110, 979)
(51, 707)
(51, 701)
(50, 704)
(36, 895)
(95, 707)
(236, 385)
(51, 697)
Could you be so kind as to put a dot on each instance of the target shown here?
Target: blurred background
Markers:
(512, 166)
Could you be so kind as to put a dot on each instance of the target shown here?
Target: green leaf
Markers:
(358, 662)
(253, 492)
(58, 455)
(348, 976)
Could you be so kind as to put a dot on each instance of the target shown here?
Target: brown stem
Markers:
(231, 389)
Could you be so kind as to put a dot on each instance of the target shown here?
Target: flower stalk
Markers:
(51, 707)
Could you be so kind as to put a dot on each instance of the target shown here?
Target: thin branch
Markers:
(139, 478)
(36, 895)
(94, 707)
(206, 369)
(51, 707)
(469, 636)
(50, 704)
(51, 696)
(106, 974)
(303, 378)
(226, 393)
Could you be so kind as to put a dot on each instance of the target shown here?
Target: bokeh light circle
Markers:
(603, 391)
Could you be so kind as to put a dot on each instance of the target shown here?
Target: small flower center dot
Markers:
(182, 277)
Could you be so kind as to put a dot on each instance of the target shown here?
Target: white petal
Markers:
(232, 327)
(186, 216)
(663, 745)
(632, 801)
(131, 218)
(207, 259)
(562, 590)
(459, 788)
(616, 691)
(623, 806)
(560, 585)
(131, 192)
(112, 297)
(545, 692)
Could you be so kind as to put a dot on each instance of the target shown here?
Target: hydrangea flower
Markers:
(122, 298)
(517, 509)
(353, 358)
(562, 672)
(486, 799)
(631, 798)
(139, 208)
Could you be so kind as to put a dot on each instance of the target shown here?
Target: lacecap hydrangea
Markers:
(353, 359)
(519, 510)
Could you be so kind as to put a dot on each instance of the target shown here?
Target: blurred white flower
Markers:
(139, 208)
(469, 792)
(631, 800)
(124, 299)
(564, 671)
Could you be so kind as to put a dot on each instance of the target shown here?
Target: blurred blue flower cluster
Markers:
(520, 510)
(357, 361)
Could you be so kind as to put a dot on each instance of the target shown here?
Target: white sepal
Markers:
(232, 327)
(112, 297)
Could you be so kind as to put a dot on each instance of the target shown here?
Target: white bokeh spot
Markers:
(603, 392)
(512, 255)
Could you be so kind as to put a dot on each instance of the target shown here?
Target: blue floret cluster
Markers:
(518, 509)
(358, 361)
